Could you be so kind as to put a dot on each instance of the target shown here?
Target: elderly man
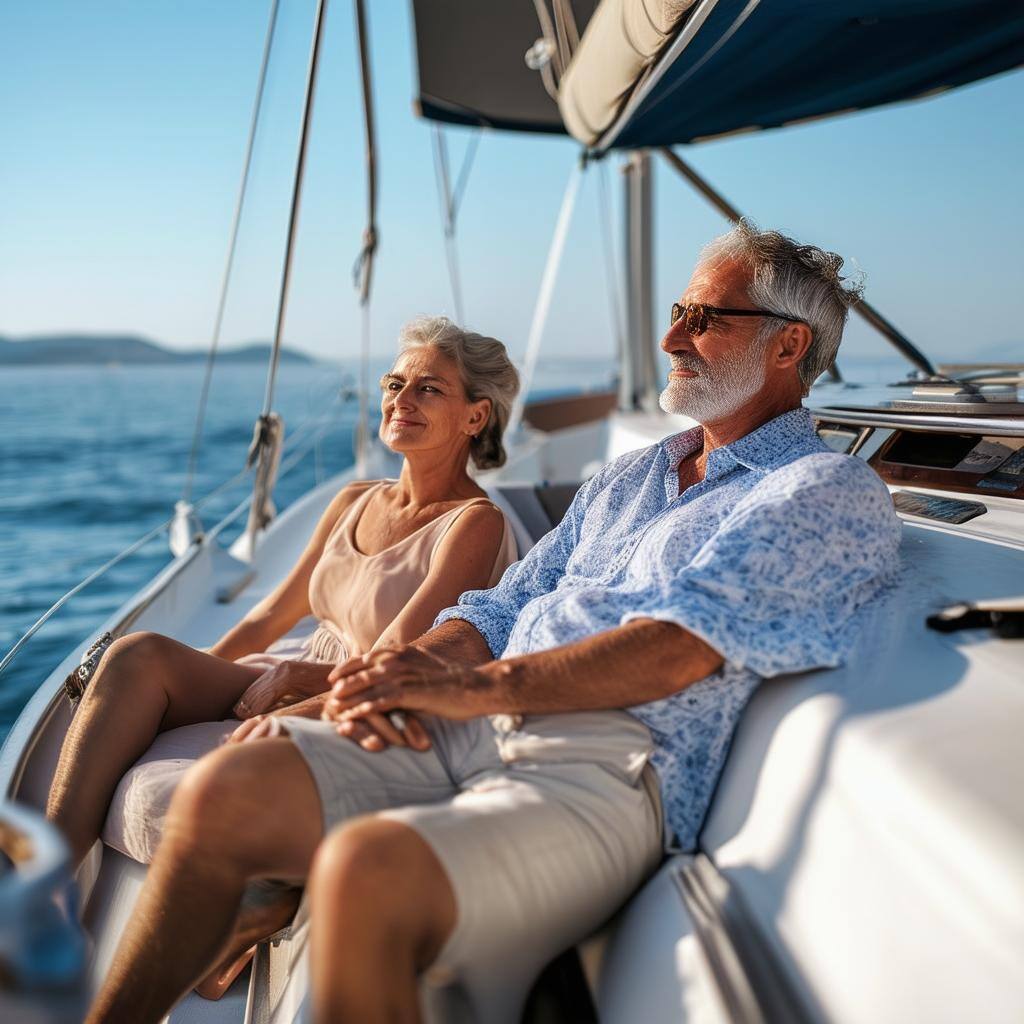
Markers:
(581, 710)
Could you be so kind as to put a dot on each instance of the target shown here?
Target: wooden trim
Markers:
(552, 414)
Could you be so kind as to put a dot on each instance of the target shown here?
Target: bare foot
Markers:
(256, 921)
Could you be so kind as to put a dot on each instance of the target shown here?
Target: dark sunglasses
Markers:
(697, 317)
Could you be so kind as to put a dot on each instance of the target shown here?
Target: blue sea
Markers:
(92, 458)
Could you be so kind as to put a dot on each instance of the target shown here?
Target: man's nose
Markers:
(676, 339)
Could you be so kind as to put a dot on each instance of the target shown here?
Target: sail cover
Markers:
(726, 66)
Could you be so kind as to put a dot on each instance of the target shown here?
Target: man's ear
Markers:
(792, 344)
(480, 412)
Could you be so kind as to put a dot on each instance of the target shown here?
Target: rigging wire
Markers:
(193, 460)
(449, 200)
(464, 171)
(96, 574)
(268, 430)
(296, 202)
(864, 309)
(363, 270)
(447, 220)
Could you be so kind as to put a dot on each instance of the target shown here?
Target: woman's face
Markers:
(424, 405)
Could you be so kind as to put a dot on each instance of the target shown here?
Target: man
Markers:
(583, 702)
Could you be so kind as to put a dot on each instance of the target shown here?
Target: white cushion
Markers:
(135, 820)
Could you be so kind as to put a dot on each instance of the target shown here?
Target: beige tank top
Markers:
(357, 596)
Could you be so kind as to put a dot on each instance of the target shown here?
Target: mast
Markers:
(638, 370)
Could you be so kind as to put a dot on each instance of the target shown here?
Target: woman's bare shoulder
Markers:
(346, 497)
(481, 525)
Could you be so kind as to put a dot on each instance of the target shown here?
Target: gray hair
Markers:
(801, 281)
(486, 372)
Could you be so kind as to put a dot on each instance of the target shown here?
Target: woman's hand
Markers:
(407, 678)
(260, 727)
(285, 684)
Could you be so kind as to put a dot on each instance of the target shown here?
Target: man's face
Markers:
(714, 374)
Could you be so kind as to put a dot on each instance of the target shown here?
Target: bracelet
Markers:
(78, 680)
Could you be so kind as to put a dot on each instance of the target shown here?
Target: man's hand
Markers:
(373, 733)
(406, 678)
(285, 684)
(378, 732)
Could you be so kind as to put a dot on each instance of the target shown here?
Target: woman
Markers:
(384, 559)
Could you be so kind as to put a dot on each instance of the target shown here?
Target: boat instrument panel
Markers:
(953, 462)
(981, 465)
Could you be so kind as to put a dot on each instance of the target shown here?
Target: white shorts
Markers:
(543, 830)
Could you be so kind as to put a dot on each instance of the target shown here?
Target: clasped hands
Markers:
(365, 689)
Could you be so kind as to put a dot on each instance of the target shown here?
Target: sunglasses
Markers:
(697, 317)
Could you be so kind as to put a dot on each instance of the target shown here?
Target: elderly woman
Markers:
(384, 559)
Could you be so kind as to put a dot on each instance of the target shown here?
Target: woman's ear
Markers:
(479, 414)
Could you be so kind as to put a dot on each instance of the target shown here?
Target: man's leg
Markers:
(507, 874)
(382, 910)
(243, 812)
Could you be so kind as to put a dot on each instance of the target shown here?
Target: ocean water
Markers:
(93, 458)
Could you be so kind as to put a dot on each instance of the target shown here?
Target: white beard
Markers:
(714, 394)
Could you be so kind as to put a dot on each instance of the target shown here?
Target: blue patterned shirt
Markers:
(767, 559)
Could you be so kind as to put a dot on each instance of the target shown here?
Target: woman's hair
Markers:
(801, 281)
(486, 372)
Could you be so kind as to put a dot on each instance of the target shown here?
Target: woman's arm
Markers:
(464, 560)
(289, 601)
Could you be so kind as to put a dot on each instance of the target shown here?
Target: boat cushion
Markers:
(135, 820)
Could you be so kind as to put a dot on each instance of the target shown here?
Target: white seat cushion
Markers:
(135, 820)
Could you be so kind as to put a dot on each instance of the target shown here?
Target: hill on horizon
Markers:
(127, 349)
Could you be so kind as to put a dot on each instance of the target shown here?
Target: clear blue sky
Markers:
(124, 126)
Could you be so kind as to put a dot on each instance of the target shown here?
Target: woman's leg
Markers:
(145, 684)
(382, 909)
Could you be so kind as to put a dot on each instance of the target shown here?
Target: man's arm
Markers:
(641, 661)
(456, 641)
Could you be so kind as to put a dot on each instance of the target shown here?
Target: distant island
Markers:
(127, 350)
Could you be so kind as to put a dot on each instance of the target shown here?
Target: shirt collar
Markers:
(771, 445)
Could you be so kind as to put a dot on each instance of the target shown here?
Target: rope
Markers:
(567, 32)
(364, 262)
(547, 287)
(296, 202)
(193, 460)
